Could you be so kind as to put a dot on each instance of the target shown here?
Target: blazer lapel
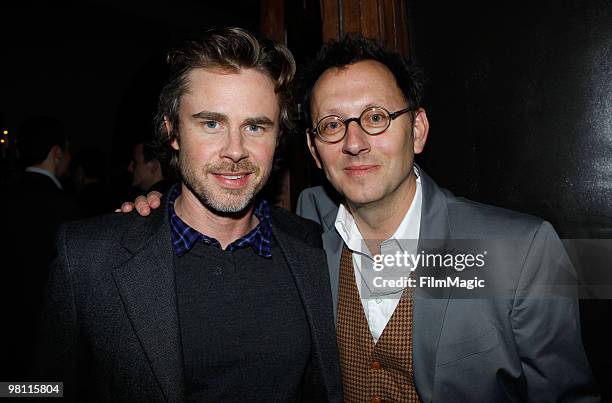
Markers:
(146, 285)
(312, 282)
(429, 306)
(332, 243)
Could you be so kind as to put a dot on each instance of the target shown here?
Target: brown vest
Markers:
(373, 372)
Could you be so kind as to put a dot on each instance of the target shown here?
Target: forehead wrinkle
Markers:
(364, 75)
(234, 95)
(189, 89)
(337, 112)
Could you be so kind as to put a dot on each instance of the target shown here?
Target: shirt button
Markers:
(376, 399)
(378, 300)
(375, 365)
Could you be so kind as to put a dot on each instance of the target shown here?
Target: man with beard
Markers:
(218, 296)
(517, 340)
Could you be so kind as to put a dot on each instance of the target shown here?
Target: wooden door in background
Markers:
(303, 26)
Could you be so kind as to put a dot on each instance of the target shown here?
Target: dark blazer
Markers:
(110, 326)
(515, 346)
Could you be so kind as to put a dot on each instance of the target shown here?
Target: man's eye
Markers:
(332, 125)
(376, 119)
(254, 130)
(211, 124)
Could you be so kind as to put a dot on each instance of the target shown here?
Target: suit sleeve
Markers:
(59, 348)
(546, 325)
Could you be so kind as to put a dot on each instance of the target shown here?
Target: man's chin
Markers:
(360, 196)
(226, 201)
(231, 202)
(231, 209)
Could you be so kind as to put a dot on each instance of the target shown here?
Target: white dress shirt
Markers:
(379, 308)
(46, 173)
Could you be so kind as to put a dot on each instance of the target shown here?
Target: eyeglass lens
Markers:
(372, 121)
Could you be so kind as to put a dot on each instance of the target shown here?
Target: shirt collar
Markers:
(408, 229)
(46, 173)
(184, 237)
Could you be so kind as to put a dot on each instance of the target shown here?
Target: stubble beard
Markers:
(219, 200)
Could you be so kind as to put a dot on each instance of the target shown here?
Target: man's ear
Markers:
(420, 130)
(174, 143)
(313, 149)
(55, 153)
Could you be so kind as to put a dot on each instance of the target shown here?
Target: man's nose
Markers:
(356, 140)
(234, 147)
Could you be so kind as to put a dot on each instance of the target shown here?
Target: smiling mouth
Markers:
(232, 180)
(232, 177)
(360, 169)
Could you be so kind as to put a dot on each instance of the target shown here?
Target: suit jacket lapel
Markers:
(147, 288)
(429, 306)
(312, 282)
(332, 243)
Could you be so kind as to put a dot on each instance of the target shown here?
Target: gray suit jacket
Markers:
(110, 326)
(518, 348)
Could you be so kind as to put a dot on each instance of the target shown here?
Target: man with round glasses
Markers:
(414, 344)
(411, 344)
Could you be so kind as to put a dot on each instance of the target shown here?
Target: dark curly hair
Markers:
(229, 49)
(355, 48)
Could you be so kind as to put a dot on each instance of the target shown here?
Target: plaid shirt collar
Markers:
(184, 237)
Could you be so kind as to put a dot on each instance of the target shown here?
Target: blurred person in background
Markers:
(147, 171)
(33, 210)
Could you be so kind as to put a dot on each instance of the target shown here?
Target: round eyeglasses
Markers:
(373, 121)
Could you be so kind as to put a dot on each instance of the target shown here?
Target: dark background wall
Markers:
(519, 94)
(520, 105)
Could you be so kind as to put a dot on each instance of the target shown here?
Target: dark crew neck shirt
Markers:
(244, 330)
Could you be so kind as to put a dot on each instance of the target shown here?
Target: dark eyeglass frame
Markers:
(346, 122)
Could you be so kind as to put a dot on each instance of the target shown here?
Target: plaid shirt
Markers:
(184, 237)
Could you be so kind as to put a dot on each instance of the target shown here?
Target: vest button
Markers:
(375, 365)
(376, 399)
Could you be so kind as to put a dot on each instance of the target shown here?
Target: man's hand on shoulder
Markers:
(143, 204)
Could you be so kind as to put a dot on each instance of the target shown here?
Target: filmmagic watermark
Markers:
(430, 282)
(531, 267)
(408, 264)
(396, 270)
(410, 260)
